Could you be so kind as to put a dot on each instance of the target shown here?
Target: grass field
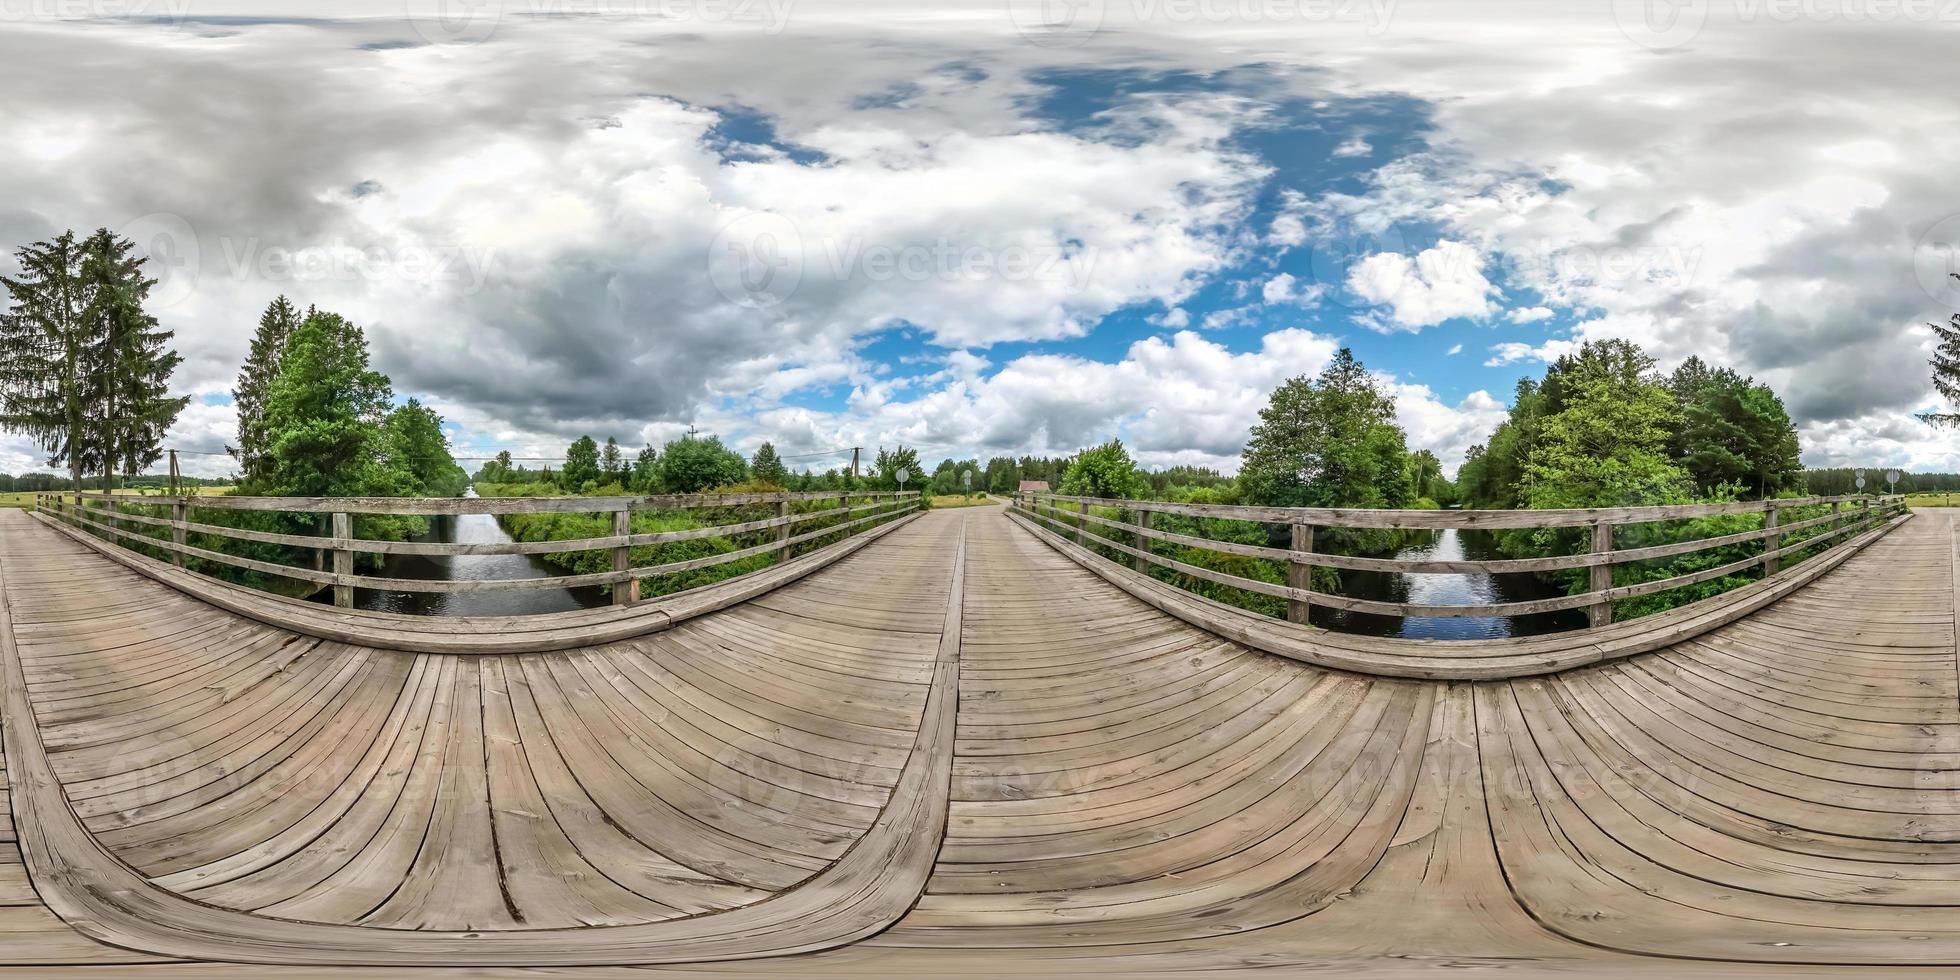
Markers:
(940, 502)
(24, 499)
(1933, 500)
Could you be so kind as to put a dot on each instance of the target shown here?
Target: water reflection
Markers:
(1449, 588)
(473, 529)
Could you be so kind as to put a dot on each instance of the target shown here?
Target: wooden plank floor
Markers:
(1107, 789)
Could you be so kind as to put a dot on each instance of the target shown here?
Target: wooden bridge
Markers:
(964, 742)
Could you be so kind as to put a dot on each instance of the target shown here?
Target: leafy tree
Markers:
(1946, 369)
(946, 477)
(646, 472)
(1328, 442)
(581, 464)
(498, 469)
(130, 364)
(1733, 431)
(261, 366)
(323, 414)
(1607, 447)
(1105, 471)
(767, 468)
(885, 467)
(612, 468)
(413, 441)
(692, 464)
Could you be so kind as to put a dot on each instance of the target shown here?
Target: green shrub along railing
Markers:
(666, 543)
(1619, 562)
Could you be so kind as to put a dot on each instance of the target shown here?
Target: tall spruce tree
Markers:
(1946, 369)
(323, 414)
(276, 325)
(612, 466)
(130, 362)
(44, 349)
(767, 467)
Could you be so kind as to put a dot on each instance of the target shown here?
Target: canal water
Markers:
(472, 529)
(1447, 589)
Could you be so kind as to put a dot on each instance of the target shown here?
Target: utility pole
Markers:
(173, 473)
(854, 461)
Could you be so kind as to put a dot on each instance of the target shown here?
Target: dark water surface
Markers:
(1447, 589)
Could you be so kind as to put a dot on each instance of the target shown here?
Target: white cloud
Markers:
(1438, 284)
(1454, 350)
(1529, 314)
(1354, 147)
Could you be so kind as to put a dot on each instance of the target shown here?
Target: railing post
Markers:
(627, 592)
(1299, 575)
(1601, 613)
(1771, 542)
(1837, 518)
(1142, 564)
(179, 513)
(782, 533)
(845, 502)
(343, 558)
(1082, 523)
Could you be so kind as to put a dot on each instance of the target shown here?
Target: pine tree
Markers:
(130, 362)
(1946, 370)
(276, 324)
(43, 349)
(767, 467)
(612, 468)
(646, 471)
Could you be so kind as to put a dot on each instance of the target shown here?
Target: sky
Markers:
(985, 227)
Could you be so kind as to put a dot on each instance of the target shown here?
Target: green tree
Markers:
(413, 442)
(323, 415)
(767, 468)
(885, 467)
(1328, 442)
(581, 464)
(1607, 447)
(1105, 471)
(1733, 431)
(130, 363)
(498, 469)
(1946, 369)
(1003, 475)
(276, 324)
(612, 467)
(692, 464)
(43, 347)
(646, 471)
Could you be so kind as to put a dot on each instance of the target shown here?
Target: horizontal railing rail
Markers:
(1071, 518)
(118, 519)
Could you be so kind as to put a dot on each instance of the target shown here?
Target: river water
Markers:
(1447, 589)
(472, 529)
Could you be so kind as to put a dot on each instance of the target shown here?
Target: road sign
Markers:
(903, 475)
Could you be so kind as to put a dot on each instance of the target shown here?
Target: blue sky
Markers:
(956, 227)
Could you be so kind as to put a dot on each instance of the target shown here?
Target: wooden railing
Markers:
(117, 519)
(1130, 533)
